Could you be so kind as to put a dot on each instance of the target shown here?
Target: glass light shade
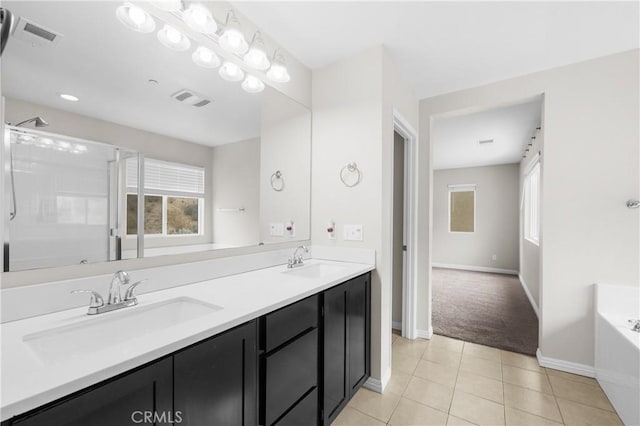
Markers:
(205, 58)
(232, 40)
(252, 84)
(256, 57)
(173, 39)
(278, 71)
(199, 18)
(168, 5)
(231, 72)
(135, 18)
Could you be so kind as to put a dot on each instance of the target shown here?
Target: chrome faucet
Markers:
(296, 260)
(635, 325)
(114, 300)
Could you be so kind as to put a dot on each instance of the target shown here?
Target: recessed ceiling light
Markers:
(68, 97)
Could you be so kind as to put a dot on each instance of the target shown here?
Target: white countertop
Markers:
(28, 381)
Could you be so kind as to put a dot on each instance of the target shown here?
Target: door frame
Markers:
(410, 234)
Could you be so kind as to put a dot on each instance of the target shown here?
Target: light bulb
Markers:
(173, 39)
(231, 72)
(256, 57)
(252, 84)
(137, 15)
(205, 58)
(135, 18)
(232, 40)
(199, 18)
(278, 71)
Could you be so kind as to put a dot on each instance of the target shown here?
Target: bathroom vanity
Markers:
(292, 355)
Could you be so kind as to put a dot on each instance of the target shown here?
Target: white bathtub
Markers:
(617, 349)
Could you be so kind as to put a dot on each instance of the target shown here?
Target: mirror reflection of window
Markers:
(462, 200)
(173, 201)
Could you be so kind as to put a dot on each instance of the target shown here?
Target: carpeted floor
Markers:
(479, 307)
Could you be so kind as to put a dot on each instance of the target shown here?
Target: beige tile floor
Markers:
(444, 381)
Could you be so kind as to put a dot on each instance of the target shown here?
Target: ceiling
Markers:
(110, 76)
(441, 46)
(456, 139)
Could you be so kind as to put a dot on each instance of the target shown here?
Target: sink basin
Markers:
(114, 328)
(315, 270)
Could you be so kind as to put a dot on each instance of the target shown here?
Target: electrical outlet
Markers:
(494, 257)
(277, 230)
(353, 233)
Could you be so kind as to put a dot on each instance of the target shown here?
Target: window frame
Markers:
(468, 187)
(166, 194)
(532, 176)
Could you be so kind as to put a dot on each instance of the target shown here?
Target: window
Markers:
(532, 204)
(173, 198)
(462, 208)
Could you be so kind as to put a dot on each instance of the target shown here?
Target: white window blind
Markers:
(165, 177)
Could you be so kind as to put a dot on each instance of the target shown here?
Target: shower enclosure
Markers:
(65, 200)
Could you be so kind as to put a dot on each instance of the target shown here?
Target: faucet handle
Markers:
(130, 294)
(96, 300)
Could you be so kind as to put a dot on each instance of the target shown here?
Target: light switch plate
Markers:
(277, 229)
(353, 233)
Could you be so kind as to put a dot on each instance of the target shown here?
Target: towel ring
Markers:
(275, 178)
(351, 168)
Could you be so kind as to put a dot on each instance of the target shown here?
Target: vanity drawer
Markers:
(304, 413)
(290, 321)
(289, 373)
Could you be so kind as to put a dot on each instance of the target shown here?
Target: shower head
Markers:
(38, 121)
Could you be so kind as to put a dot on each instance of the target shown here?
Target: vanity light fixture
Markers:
(252, 84)
(68, 97)
(232, 40)
(168, 5)
(135, 18)
(256, 57)
(231, 72)
(205, 58)
(173, 39)
(199, 18)
(278, 71)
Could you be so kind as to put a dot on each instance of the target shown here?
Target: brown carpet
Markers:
(479, 307)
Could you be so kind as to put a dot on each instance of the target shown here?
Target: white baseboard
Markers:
(396, 325)
(531, 299)
(475, 268)
(425, 334)
(566, 366)
(378, 385)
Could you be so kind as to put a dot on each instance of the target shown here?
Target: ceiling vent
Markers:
(35, 34)
(189, 97)
(485, 141)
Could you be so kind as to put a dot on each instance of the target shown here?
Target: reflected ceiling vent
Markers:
(189, 97)
(35, 34)
(485, 141)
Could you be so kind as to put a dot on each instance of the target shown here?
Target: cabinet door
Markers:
(335, 386)
(122, 401)
(215, 382)
(358, 331)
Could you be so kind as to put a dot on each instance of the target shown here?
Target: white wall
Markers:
(285, 146)
(591, 133)
(353, 104)
(530, 252)
(496, 230)
(235, 184)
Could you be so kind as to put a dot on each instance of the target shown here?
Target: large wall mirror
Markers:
(118, 147)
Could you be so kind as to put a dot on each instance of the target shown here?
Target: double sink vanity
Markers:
(286, 346)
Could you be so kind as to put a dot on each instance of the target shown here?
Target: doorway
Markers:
(398, 231)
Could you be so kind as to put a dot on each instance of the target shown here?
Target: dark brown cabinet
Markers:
(124, 400)
(298, 365)
(215, 382)
(346, 346)
(289, 364)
